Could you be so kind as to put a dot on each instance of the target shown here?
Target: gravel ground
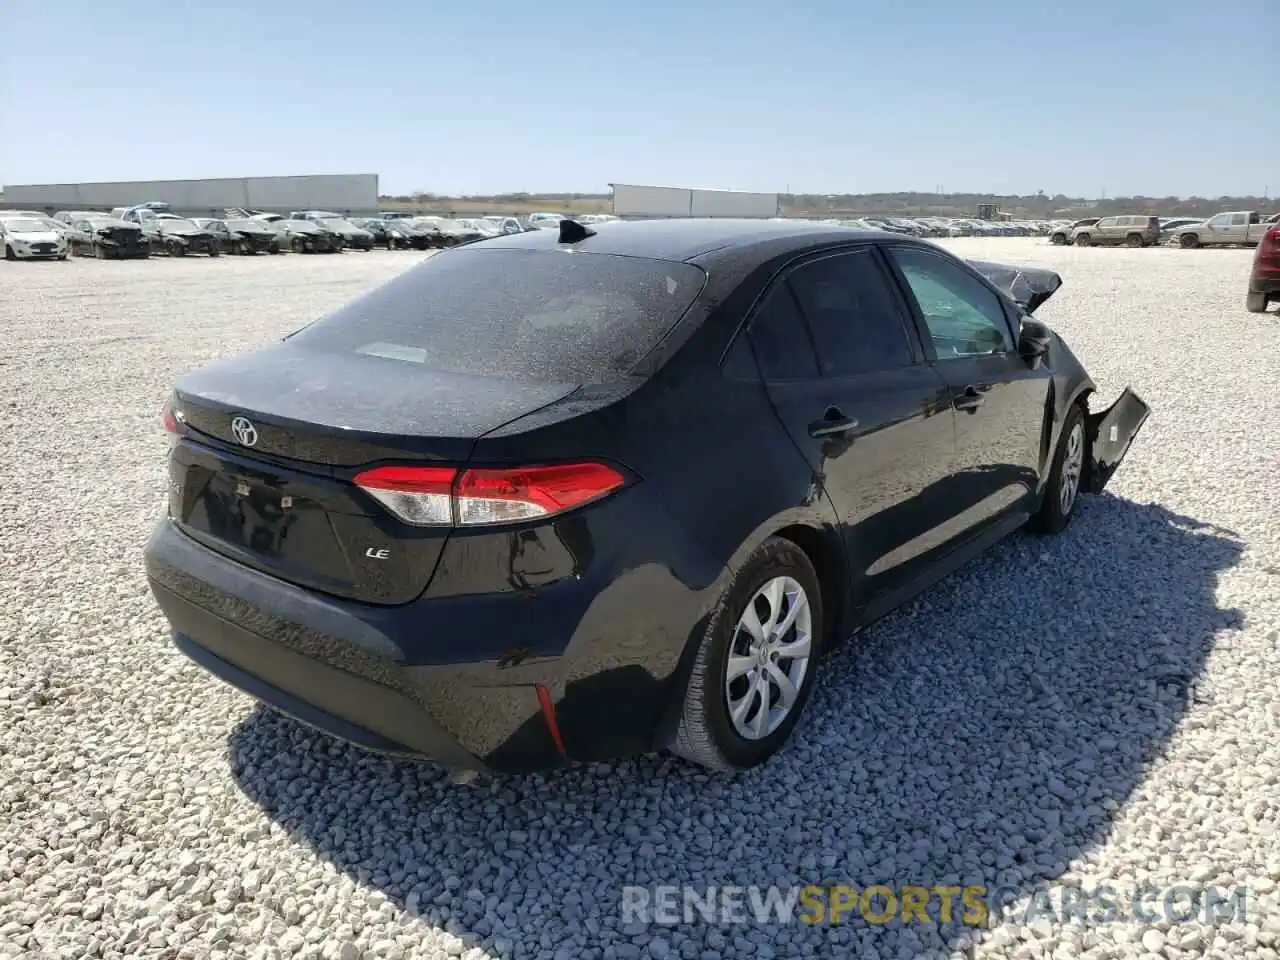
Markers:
(1100, 708)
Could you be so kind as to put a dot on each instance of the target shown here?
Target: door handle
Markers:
(833, 422)
(969, 400)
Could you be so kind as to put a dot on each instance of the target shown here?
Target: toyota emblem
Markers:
(246, 433)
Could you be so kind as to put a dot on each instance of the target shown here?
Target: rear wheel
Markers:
(1189, 241)
(1256, 302)
(296, 244)
(1062, 492)
(1083, 240)
(755, 664)
(1134, 240)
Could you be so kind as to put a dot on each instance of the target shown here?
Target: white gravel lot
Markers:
(1100, 708)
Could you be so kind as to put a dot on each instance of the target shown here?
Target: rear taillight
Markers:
(443, 496)
(171, 427)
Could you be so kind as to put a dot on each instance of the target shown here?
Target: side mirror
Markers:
(1033, 340)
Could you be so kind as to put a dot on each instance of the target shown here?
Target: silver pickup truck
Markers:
(1223, 229)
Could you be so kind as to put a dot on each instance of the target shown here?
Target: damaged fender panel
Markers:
(1111, 431)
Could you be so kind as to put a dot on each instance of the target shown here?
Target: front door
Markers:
(1000, 401)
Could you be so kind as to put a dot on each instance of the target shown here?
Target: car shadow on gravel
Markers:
(985, 734)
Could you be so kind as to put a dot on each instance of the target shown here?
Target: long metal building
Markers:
(635, 200)
(342, 193)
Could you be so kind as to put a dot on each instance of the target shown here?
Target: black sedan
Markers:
(98, 235)
(303, 236)
(242, 236)
(569, 495)
(178, 236)
(385, 233)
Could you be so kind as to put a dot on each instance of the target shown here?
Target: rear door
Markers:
(871, 418)
(999, 399)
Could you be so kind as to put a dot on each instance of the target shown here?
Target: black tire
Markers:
(296, 244)
(1134, 240)
(1189, 241)
(62, 256)
(1058, 239)
(1083, 240)
(100, 251)
(176, 249)
(214, 250)
(1052, 517)
(8, 253)
(706, 734)
(1255, 302)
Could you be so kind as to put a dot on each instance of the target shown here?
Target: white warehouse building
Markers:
(343, 193)
(636, 200)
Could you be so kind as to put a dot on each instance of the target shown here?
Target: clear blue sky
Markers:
(1078, 96)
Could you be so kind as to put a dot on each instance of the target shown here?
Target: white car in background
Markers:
(543, 221)
(31, 238)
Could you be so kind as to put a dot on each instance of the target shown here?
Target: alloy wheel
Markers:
(1072, 464)
(768, 658)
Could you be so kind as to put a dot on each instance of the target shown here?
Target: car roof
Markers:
(689, 239)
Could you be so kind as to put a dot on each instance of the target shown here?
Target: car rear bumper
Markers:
(341, 704)
(461, 675)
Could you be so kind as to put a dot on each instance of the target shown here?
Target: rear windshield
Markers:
(552, 315)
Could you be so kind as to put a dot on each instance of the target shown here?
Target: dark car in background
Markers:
(242, 236)
(386, 233)
(177, 236)
(450, 232)
(353, 237)
(420, 234)
(303, 236)
(107, 238)
(338, 226)
(515, 509)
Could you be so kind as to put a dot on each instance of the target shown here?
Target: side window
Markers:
(857, 324)
(1106, 222)
(964, 317)
(780, 338)
(1220, 220)
(1239, 219)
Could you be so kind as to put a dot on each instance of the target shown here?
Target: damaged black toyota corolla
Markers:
(569, 495)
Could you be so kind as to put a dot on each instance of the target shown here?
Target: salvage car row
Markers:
(1232, 228)
(153, 228)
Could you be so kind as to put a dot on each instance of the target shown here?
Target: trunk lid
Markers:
(274, 439)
